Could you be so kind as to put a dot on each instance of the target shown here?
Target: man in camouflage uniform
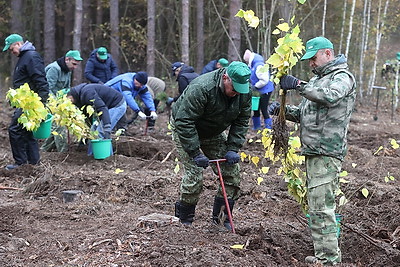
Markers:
(211, 103)
(324, 116)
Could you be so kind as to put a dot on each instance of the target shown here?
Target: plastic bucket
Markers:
(255, 102)
(101, 148)
(44, 129)
(338, 217)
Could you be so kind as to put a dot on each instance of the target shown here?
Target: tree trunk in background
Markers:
(114, 38)
(151, 36)
(324, 18)
(362, 52)
(234, 52)
(379, 32)
(269, 29)
(99, 20)
(86, 22)
(343, 25)
(200, 35)
(396, 87)
(16, 26)
(185, 31)
(37, 27)
(69, 8)
(350, 28)
(49, 31)
(77, 75)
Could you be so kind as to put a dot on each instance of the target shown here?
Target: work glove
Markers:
(201, 160)
(153, 115)
(273, 108)
(169, 101)
(232, 157)
(107, 131)
(289, 82)
(141, 115)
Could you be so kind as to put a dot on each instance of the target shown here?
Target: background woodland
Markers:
(150, 35)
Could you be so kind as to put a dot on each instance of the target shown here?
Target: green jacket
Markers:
(325, 111)
(57, 78)
(204, 111)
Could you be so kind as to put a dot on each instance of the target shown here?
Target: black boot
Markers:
(185, 212)
(220, 217)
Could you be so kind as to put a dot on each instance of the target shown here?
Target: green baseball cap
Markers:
(102, 52)
(240, 75)
(224, 62)
(74, 54)
(398, 55)
(13, 38)
(315, 44)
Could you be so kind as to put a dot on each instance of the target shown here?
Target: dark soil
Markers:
(102, 227)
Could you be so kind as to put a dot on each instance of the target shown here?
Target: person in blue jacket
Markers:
(132, 84)
(260, 81)
(215, 64)
(100, 66)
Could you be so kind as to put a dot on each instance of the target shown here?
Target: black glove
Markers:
(289, 82)
(107, 131)
(201, 161)
(232, 157)
(273, 108)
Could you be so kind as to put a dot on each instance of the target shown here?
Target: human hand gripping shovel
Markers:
(221, 180)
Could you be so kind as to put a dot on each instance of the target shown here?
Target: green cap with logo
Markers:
(315, 44)
(13, 38)
(74, 54)
(224, 62)
(240, 75)
(102, 52)
(398, 55)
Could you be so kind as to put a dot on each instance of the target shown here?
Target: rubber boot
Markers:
(256, 123)
(220, 213)
(185, 212)
(268, 123)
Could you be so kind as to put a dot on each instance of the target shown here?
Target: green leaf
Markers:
(342, 200)
(343, 174)
(301, 1)
(240, 13)
(365, 192)
(394, 144)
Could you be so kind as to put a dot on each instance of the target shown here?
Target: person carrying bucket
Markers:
(211, 103)
(260, 82)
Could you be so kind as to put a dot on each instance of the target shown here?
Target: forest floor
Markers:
(103, 226)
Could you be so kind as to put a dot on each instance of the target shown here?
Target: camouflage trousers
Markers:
(192, 180)
(58, 142)
(322, 183)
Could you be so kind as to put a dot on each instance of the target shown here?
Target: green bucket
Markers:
(101, 148)
(44, 129)
(338, 217)
(255, 102)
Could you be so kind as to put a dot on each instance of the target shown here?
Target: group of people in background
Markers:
(209, 120)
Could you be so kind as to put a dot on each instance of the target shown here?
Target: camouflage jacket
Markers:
(204, 111)
(325, 110)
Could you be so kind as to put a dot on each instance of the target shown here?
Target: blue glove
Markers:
(169, 101)
(289, 82)
(232, 157)
(201, 161)
(273, 108)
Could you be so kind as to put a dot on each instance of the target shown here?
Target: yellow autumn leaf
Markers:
(251, 140)
(238, 246)
(265, 170)
(118, 170)
(243, 156)
(283, 27)
(343, 174)
(255, 160)
(379, 149)
(259, 180)
(276, 31)
(176, 169)
(394, 144)
(354, 165)
(365, 192)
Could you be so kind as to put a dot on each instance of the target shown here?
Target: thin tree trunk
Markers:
(99, 21)
(151, 36)
(185, 31)
(396, 87)
(324, 18)
(234, 30)
(271, 14)
(114, 38)
(362, 51)
(49, 31)
(16, 25)
(69, 8)
(77, 79)
(343, 24)
(350, 28)
(200, 34)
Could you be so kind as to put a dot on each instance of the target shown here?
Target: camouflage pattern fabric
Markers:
(192, 181)
(322, 183)
(324, 113)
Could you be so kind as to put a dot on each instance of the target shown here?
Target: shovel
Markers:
(221, 180)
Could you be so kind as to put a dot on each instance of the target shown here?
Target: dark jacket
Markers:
(185, 76)
(212, 65)
(30, 69)
(100, 96)
(204, 111)
(97, 71)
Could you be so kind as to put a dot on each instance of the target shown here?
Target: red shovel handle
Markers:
(221, 180)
